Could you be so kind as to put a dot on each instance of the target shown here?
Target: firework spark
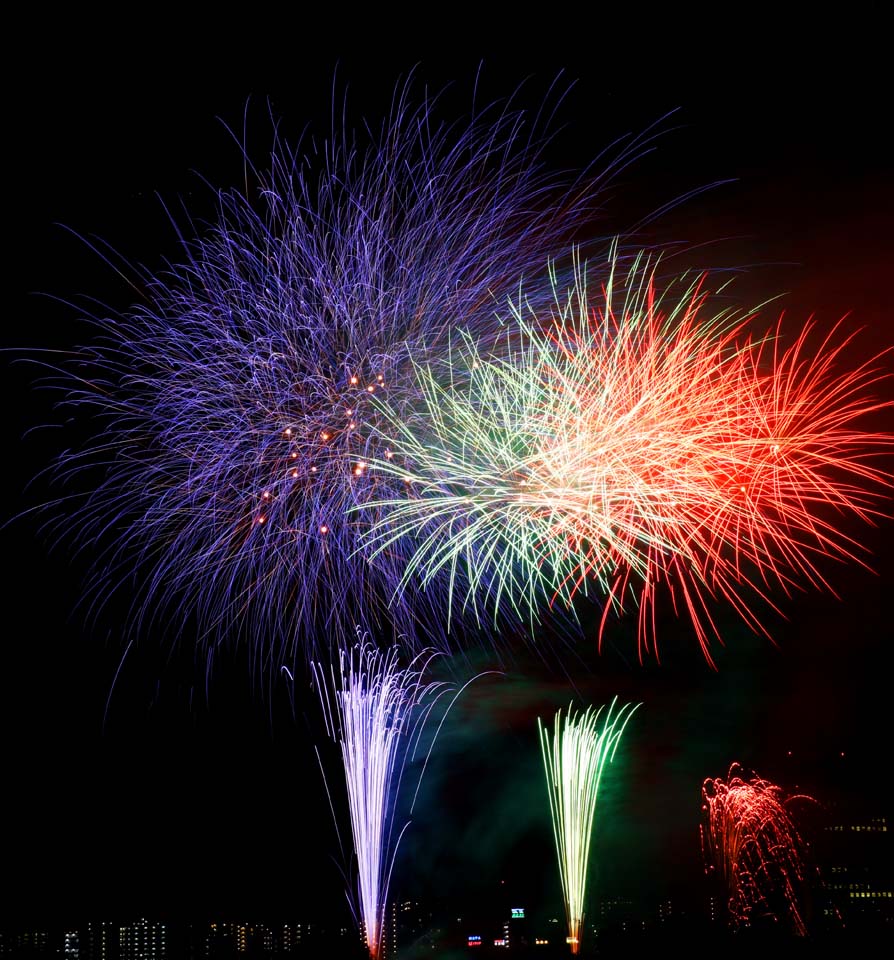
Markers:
(646, 443)
(574, 757)
(237, 399)
(749, 838)
(375, 711)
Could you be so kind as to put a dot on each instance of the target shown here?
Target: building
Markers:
(71, 949)
(99, 941)
(27, 943)
(410, 928)
(291, 937)
(143, 940)
(854, 856)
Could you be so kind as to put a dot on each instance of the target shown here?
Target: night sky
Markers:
(195, 799)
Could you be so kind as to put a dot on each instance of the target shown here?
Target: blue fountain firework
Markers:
(376, 711)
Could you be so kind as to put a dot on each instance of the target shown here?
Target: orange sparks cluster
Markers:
(292, 436)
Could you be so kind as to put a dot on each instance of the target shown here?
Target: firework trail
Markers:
(574, 757)
(750, 839)
(643, 444)
(376, 712)
(236, 399)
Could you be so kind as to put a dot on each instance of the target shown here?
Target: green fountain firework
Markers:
(574, 757)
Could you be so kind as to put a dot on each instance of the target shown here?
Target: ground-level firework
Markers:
(637, 441)
(750, 840)
(574, 757)
(375, 710)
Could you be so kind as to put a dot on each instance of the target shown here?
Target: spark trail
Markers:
(574, 757)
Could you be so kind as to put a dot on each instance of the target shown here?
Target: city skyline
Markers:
(849, 901)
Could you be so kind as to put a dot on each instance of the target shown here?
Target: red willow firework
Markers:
(750, 839)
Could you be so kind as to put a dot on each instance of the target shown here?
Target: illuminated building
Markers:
(855, 854)
(614, 913)
(409, 925)
(220, 940)
(100, 941)
(225, 940)
(28, 943)
(516, 935)
(291, 936)
(71, 945)
(143, 940)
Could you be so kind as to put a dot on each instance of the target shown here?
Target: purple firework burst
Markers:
(235, 401)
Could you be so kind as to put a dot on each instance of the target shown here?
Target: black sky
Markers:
(193, 803)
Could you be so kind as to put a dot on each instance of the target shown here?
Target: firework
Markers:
(644, 444)
(749, 838)
(236, 399)
(375, 711)
(574, 757)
